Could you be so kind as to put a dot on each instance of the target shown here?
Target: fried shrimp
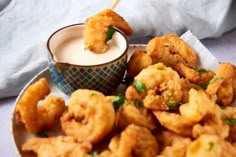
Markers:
(97, 27)
(50, 111)
(45, 116)
(173, 145)
(198, 76)
(170, 50)
(138, 61)
(222, 84)
(90, 116)
(174, 122)
(202, 111)
(130, 114)
(210, 146)
(158, 87)
(134, 141)
(65, 146)
(199, 105)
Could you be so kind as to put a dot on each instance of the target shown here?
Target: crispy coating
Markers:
(198, 107)
(222, 84)
(130, 114)
(138, 61)
(50, 111)
(45, 116)
(210, 146)
(173, 145)
(170, 50)
(174, 122)
(90, 116)
(163, 86)
(212, 124)
(134, 141)
(97, 27)
(226, 113)
(65, 146)
(198, 76)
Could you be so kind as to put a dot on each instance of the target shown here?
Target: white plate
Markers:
(19, 133)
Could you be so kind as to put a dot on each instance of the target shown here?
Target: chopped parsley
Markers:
(200, 70)
(204, 85)
(93, 94)
(230, 121)
(139, 86)
(173, 105)
(215, 79)
(222, 107)
(118, 101)
(138, 103)
(110, 33)
(211, 144)
(169, 94)
(94, 152)
(197, 88)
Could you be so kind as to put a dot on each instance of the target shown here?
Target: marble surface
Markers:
(223, 48)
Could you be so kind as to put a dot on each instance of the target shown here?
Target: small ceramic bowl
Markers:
(103, 77)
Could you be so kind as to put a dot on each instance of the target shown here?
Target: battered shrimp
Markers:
(97, 27)
(210, 146)
(34, 117)
(134, 141)
(158, 87)
(50, 111)
(138, 61)
(130, 114)
(199, 105)
(202, 111)
(65, 146)
(174, 122)
(170, 50)
(198, 76)
(90, 116)
(173, 145)
(222, 84)
(212, 124)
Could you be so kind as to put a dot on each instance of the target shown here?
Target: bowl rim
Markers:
(76, 65)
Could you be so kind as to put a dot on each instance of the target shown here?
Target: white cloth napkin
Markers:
(26, 25)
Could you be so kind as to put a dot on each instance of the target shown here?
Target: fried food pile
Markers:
(171, 108)
(99, 29)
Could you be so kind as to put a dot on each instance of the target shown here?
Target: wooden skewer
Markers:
(115, 3)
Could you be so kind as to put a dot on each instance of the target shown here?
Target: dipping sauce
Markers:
(72, 51)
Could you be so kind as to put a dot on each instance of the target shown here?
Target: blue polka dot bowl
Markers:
(68, 77)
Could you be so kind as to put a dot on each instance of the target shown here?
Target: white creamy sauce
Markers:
(72, 51)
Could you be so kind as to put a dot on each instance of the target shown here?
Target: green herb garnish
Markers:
(204, 85)
(173, 105)
(138, 103)
(166, 45)
(215, 79)
(118, 101)
(42, 134)
(222, 107)
(139, 86)
(230, 121)
(94, 152)
(200, 70)
(110, 33)
(93, 94)
(197, 88)
(211, 144)
(169, 94)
